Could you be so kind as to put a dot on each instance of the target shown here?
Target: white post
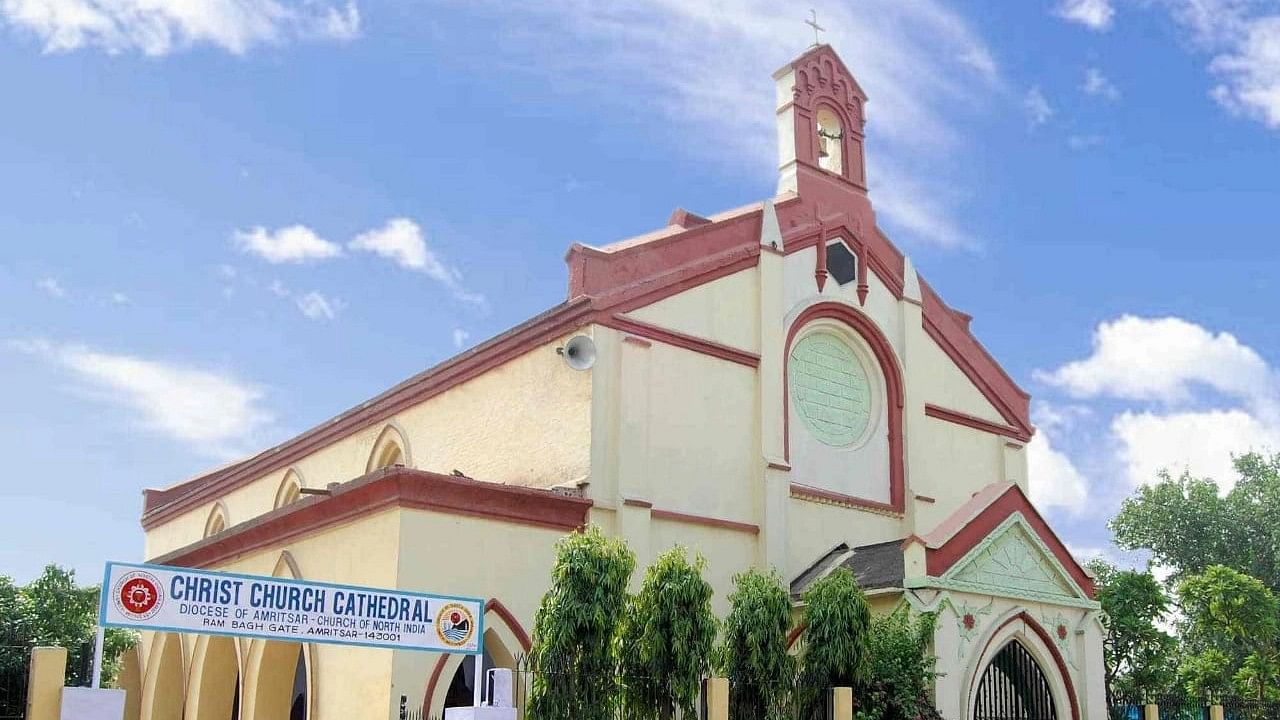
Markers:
(479, 678)
(97, 657)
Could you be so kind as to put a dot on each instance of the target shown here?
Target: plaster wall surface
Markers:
(526, 422)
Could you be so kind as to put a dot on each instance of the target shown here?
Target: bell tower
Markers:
(820, 120)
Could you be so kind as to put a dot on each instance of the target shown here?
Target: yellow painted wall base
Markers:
(842, 703)
(1215, 712)
(717, 698)
(44, 683)
(1151, 712)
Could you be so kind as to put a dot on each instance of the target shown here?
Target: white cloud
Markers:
(1054, 479)
(51, 287)
(212, 412)
(1095, 83)
(1246, 52)
(1251, 72)
(293, 244)
(1083, 142)
(1094, 14)
(159, 28)
(1213, 396)
(119, 298)
(1201, 442)
(318, 307)
(707, 67)
(402, 241)
(1037, 106)
(1162, 359)
(460, 338)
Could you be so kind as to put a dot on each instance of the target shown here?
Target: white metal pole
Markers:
(97, 657)
(479, 678)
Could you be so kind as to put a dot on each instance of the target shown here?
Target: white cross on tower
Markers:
(813, 23)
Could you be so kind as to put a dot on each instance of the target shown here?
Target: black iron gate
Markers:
(1014, 688)
(14, 662)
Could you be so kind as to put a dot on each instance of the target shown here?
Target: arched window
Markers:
(217, 521)
(830, 141)
(391, 448)
(290, 490)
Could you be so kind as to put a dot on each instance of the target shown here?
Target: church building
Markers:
(774, 386)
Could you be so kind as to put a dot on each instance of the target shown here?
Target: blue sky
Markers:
(225, 223)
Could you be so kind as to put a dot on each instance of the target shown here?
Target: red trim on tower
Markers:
(382, 489)
(940, 559)
(977, 423)
(1047, 639)
(889, 368)
(681, 340)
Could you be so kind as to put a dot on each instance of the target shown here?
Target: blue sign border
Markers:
(106, 577)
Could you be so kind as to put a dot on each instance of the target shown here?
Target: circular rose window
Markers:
(829, 389)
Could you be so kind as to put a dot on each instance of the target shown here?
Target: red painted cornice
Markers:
(391, 487)
(977, 423)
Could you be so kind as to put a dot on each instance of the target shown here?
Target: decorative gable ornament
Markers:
(1012, 561)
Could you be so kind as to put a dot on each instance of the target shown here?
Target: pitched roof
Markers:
(876, 566)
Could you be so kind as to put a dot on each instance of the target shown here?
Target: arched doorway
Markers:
(163, 690)
(130, 680)
(1014, 687)
(215, 680)
(280, 686)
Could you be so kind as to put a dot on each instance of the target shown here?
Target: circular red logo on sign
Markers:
(138, 596)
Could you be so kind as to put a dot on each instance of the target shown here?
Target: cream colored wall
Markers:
(718, 311)
(727, 552)
(945, 385)
(950, 463)
(474, 557)
(523, 423)
(818, 527)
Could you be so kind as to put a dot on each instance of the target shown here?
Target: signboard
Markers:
(155, 597)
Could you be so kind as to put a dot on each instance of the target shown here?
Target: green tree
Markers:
(667, 637)
(754, 652)
(575, 628)
(1206, 674)
(54, 610)
(836, 653)
(1240, 618)
(1138, 654)
(901, 672)
(1188, 526)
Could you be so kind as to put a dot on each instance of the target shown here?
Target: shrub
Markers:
(836, 653)
(902, 668)
(754, 653)
(666, 638)
(573, 631)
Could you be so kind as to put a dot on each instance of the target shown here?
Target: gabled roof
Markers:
(1001, 520)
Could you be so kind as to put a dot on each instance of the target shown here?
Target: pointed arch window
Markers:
(290, 490)
(217, 521)
(391, 448)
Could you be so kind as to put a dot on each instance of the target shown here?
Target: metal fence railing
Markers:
(15, 660)
(1185, 707)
